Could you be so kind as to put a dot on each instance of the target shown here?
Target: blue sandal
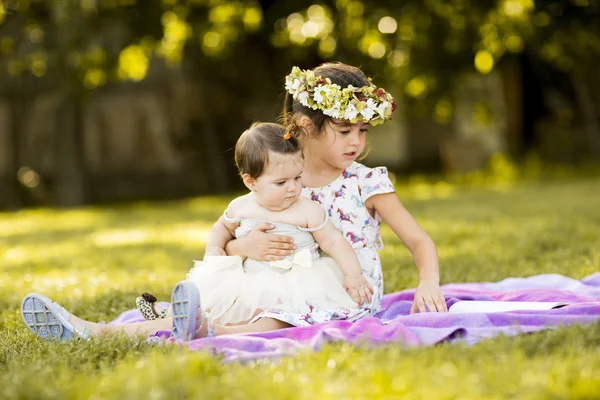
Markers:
(185, 302)
(49, 320)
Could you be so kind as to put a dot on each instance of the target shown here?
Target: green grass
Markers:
(96, 260)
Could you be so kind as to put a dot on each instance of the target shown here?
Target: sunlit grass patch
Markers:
(95, 261)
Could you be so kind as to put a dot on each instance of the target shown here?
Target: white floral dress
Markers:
(344, 199)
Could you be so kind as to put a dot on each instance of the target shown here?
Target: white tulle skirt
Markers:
(234, 293)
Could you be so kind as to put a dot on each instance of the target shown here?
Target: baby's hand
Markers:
(358, 288)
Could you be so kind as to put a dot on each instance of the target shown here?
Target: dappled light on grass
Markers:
(420, 189)
(485, 235)
(47, 220)
(36, 253)
(90, 283)
(194, 235)
(501, 175)
(528, 363)
(96, 261)
(191, 236)
(82, 254)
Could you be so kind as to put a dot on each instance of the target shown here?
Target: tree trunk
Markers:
(70, 167)
(12, 199)
(513, 99)
(217, 169)
(590, 118)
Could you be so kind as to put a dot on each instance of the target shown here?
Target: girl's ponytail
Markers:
(288, 109)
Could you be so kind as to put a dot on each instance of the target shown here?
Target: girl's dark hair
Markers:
(339, 73)
(253, 146)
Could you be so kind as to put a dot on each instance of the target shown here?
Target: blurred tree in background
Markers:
(236, 54)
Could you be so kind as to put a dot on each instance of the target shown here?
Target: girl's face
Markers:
(340, 144)
(279, 186)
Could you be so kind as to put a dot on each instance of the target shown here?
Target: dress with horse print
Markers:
(344, 200)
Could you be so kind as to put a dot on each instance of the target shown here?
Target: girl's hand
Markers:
(429, 294)
(266, 246)
(358, 288)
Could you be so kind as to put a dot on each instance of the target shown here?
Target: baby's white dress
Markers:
(233, 292)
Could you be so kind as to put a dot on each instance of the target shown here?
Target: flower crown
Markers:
(368, 103)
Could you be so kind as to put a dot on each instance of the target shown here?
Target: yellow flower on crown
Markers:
(367, 104)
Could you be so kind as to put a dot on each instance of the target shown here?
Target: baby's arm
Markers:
(421, 246)
(334, 244)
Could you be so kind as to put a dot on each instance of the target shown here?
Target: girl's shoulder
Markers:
(361, 171)
(359, 174)
(372, 181)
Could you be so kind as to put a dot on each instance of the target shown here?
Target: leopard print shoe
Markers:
(146, 305)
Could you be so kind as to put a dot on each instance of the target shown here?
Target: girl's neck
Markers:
(317, 172)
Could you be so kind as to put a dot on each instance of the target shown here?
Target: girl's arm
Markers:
(420, 245)
(261, 246)
(221, 233)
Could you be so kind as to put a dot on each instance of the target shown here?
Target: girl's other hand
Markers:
(358, 288)
(429, 296)
(263, 246)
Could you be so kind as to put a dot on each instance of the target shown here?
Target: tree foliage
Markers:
(425, 45)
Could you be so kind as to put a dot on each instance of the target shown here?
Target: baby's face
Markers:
(280, 184)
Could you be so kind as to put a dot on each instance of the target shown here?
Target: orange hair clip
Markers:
(287, 135)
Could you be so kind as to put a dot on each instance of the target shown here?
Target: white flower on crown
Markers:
(351, 112)
(303, 98)
(382, 107)
(369, 109)
(334, 112)
(320, 93)
(292, 85)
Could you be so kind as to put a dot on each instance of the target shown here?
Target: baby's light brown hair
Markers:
(253, 146)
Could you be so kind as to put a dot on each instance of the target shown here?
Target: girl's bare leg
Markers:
(133, 329)
(150, 327)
